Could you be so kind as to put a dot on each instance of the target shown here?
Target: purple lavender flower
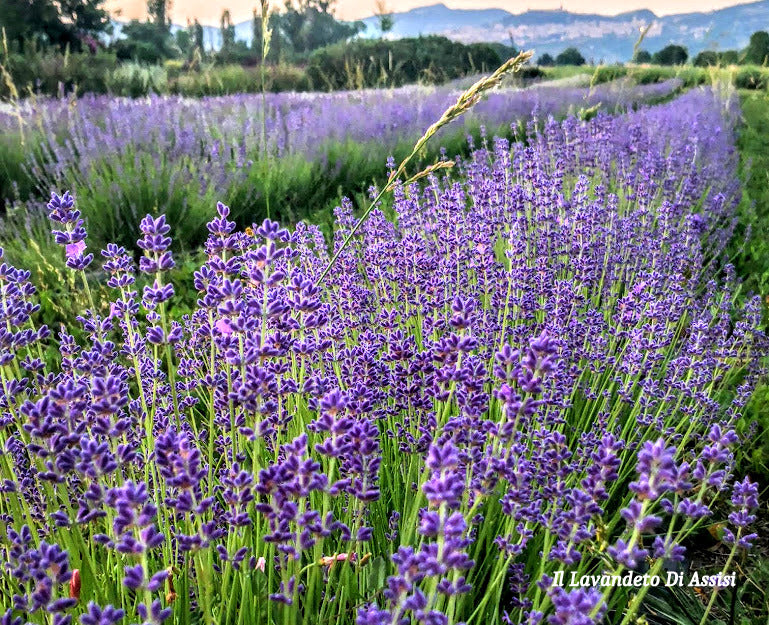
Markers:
(61, 210)
(101, 616)
(744, 500)
(577, 607)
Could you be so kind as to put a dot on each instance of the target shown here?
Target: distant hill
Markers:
(598, 37)
(602, 37)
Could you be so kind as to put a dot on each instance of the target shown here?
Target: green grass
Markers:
(750, 254)
(567, 71)
(751, 250)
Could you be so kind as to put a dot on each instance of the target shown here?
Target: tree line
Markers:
(756, 53)
(300, 27)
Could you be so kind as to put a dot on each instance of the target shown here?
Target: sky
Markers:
(209, 11)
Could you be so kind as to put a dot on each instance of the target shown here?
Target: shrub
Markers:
(232, 79)
(134, 80)
(608, 73)
(751, 77)
(54, 73)
(367, 63)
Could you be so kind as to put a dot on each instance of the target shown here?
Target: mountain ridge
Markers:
(600, 38)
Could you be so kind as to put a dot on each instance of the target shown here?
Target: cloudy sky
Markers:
(209, 11)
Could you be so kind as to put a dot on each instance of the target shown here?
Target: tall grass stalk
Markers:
(266, 36)
(464, 103)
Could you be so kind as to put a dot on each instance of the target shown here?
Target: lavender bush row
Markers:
(216, 137)
(536, 367)
(297, 122)
(124, 158)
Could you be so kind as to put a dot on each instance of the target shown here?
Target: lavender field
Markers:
(124, 158)
(525, 369)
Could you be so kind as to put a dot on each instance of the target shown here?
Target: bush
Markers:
(651, 75)
(608, 73)
(693, 76)
(230, 79)
(751, 77)
(135, 80)
(53, 73)
(364, 63)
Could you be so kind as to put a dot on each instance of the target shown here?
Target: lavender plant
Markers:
(533, 371)
(178, 156)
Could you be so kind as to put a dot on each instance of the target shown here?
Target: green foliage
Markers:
(310, 25)
(228, 79)
(184, 42)
(546, 60)
(757, 51)
(651, 75)
(227, 29)
(144, 42)
(751, 260)
(197, 36)
(15, 181)
(752, 254)
(157, 11)
(608, 73)
(730, 57)
(384, 17)
(708, 58)
(570, 56)
(66, 24)
(369, 63)
(134, 80)
(49, 72)
(752, 77)
(693, 76)
(671, 55)
(33, 243)
(642, 56)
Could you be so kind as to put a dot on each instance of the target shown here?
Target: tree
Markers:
(72, 24)
(228, 33)
(384, 17)
(671, 55)
(706, 58)
(183, 40)
(311, 25)
(197, 36)
(144, 42)
(729, 57)
(642, 56)
(546, 60)
(757, 51)
(570, 56)
(158, 10)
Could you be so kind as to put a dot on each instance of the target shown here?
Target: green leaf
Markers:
(377, 573)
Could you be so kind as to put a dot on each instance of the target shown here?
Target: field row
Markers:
(532, 362)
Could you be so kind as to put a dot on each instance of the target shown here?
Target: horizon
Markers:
(209, 13)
